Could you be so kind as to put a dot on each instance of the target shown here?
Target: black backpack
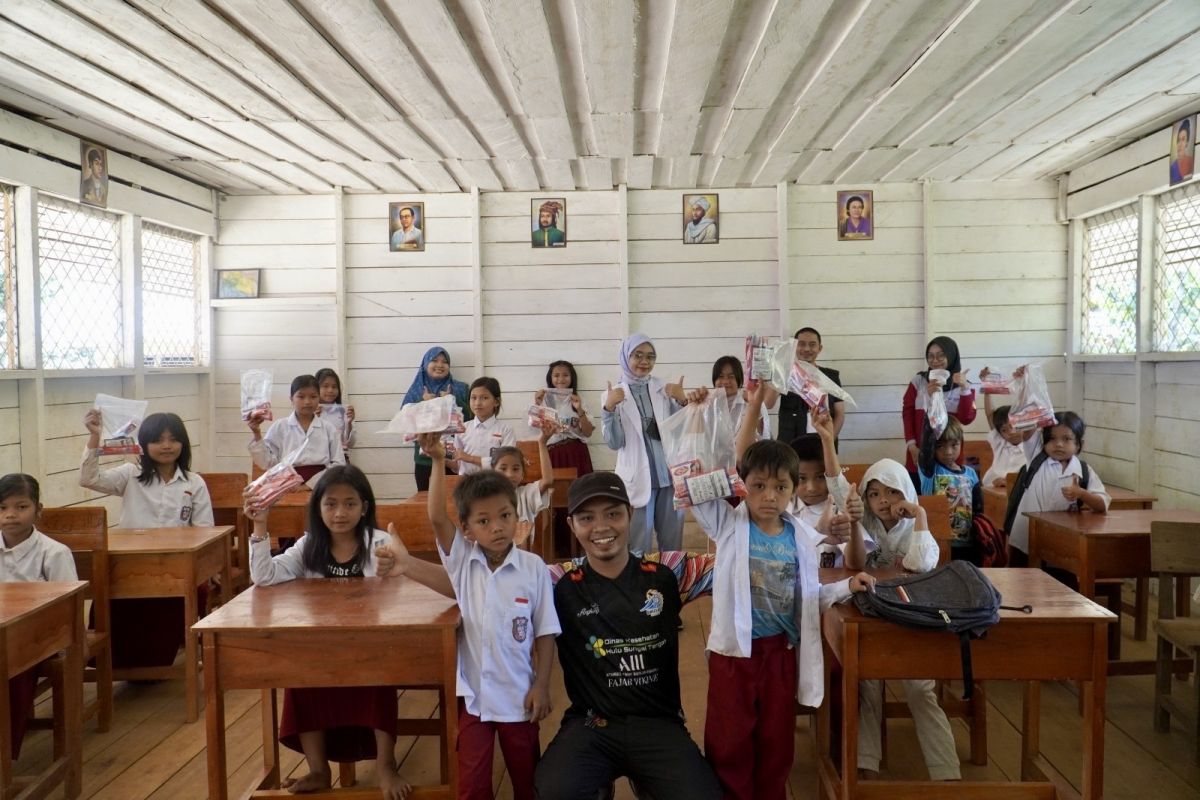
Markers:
(956, 597)
(1024, 478)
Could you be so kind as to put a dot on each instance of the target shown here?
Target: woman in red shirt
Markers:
(940, 353)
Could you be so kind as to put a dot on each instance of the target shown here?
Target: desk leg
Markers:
(270, 731)
(190, 656)
(214, 722)
(73, 704)
(850, 712)
(1141, 608)
(227, 590)
(1093, 717)
(1031, 721)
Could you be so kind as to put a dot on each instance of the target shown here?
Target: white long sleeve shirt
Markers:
(38, 558)
(479, 438)
(320, 444)
(181, 501)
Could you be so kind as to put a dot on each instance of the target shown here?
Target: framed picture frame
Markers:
(237, 283)
(855, 215)
(93, 174)
(548, 221)
(701, 219)
(406, 227)
(1183, 150)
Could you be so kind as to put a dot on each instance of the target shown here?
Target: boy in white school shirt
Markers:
(765, 643)
(506, 642)
(319, 441)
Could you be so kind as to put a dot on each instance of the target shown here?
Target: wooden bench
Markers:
(84, 529)
(225, 491)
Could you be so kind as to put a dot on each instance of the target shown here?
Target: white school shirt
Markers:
(179, 502)
(266, 569)
(530, 502)
(811, 515)
(479, 438)
(1006, 458)
(322, 443)
(38, 558)
(503, 612)
(731, 633)
(1045, 490)
(737, 410)
(904, 546)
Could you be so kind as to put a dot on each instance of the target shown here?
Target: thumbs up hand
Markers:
(1072, 491)
(675, 391)
(613, 397)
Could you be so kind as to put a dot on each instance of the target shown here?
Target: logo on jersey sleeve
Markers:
(654, 603)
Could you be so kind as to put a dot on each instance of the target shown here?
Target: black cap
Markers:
(596, 484)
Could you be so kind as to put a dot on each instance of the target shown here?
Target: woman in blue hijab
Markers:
(433, 379)
(633, 410)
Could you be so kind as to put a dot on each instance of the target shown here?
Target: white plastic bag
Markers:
(936, 413)
(439, 415)
(814, 386)
(256, 395)
(335, 415)
(699, 444)
(1031, 406)
(119, 421)
(768, 358)
(272, 485)
(560, 401)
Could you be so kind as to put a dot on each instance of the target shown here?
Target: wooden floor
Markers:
(152, 753)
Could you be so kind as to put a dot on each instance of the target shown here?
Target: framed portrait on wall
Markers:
(1183, 149)
(406, 226)
(855, 215)
(549, 221)
(700, 219)
(93, 174)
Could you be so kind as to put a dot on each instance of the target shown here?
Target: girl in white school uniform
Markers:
(532, 498)
(898, 524)
(727, 375)
(26, 554)
(484, 433)
(330, 391)
(319, 441)
(633, 410)
(160, 491)
(342, 540)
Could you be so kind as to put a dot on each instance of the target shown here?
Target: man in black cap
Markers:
(619, 651)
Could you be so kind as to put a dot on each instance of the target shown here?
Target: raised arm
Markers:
(431, 443)
(747, 434)
(544, 460)
(426, 573)
(108, 481)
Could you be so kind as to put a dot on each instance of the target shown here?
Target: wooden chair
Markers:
(84, 529)
(225, 491)
(413, 525)
(854, 473)
(1173, 552)
(533, 460)
(937, 509)
(982, 450)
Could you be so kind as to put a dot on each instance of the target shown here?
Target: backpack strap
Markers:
(1034, 466)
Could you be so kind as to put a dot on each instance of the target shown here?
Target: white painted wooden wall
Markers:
(997, 259)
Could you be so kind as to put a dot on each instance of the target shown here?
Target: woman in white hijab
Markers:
(633, 410)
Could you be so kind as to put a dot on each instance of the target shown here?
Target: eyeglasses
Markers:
(649, 358)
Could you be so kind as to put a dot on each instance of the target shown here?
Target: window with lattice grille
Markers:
(1110, 282)
(1177, 271)
(79, 255)
(8, 283)
(170, 297)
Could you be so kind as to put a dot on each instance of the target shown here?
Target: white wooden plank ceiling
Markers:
(442, 95)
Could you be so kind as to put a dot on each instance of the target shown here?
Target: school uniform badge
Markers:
(520, 629)
(654, 603)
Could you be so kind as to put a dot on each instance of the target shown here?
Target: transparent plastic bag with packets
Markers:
(440, 415)
(699, 444)
(769, 359)
(277, 481)
(256, 395)
(119, 421)
(812, 385)
(557, 411)
(1031, 405)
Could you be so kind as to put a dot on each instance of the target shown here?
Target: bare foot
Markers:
(312, 782)
(391, 785)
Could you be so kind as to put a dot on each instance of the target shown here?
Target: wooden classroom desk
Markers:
(1065, 638)
(37, 620)
(332, 632)
(170, 562)
(1112, 545)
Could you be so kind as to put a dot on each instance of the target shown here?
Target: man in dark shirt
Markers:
(619, 651)
(793, 411)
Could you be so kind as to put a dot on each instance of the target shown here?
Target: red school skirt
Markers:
(349, 715)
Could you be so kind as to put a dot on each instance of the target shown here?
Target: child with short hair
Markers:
(159, 491)
(1058, 480)
(329, 385)
(1007, 453)
(319, 442)
(532, 498)
(506, 642)
(900, 529)
(727, 375)
(473, 447)
(941, 474)
(26, 554)
(765, 643)
(342, 540)
(794, 419)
